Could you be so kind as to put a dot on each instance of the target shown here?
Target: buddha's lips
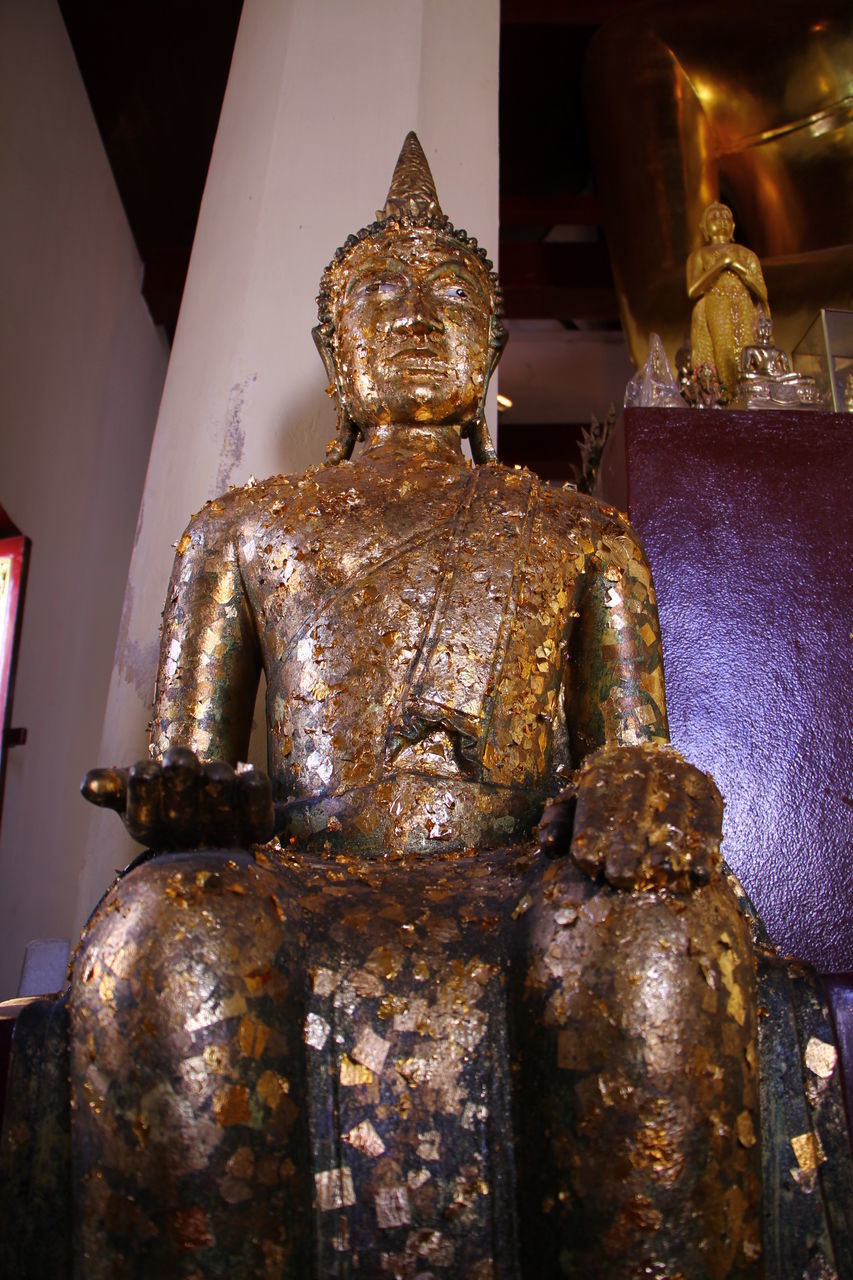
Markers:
(424, 357)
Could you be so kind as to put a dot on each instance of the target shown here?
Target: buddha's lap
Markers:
(277, 1026)
(211, 948)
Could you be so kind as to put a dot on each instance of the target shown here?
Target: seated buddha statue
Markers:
(390, 1011)
(766, 378)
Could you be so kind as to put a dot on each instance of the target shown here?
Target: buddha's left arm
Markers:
(616, 696)
(638, 813)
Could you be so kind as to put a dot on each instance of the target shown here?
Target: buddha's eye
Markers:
(453, 291)
(381, 289)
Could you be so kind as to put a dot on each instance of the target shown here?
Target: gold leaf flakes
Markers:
(385, 962)
(441, 929)
(806, 1179)
(271, 1088)
(524, 904)
(428, 1145)
(365, 1138)
(215, 1058)
(231, 1105)
(413, 1070)
(392, 1207)
(736, 1006)
(472, 1113)
(233, 1005)
(325, 981)
(808, 1150)
(371, 1050)
(316, 1031)
(334, 1189)
(367, 985)
(352, 1073)
(745, 1129)
(820, 1057)
(252, 1036)
(432, 1246)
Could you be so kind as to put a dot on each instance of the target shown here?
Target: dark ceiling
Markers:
(156, 70)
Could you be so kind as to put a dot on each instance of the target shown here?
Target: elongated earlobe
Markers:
(339, 449)
(482, 449)
(476, 431)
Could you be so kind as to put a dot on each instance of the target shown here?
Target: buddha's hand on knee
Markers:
(646, 819)
(184, 804)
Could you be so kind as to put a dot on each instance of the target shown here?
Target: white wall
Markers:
(81, 372)
(320, 96)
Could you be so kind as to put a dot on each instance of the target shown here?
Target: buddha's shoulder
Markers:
(564, 509)
(241, 507)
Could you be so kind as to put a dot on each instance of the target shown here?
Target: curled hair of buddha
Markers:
(412, 204)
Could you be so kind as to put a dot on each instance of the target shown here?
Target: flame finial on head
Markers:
(412, 193)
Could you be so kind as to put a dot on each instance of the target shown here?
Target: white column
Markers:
(82, 369)
(320, 96)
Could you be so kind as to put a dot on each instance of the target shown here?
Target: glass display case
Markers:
(826, 354)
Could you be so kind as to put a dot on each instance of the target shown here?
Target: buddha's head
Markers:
(410, 318)
(717, 224)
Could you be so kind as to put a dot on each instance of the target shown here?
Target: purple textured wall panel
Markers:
(746, 518)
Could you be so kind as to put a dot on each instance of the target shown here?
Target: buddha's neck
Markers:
(442, 441)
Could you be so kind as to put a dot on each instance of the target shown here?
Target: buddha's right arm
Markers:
(209, 665)
(188, 794)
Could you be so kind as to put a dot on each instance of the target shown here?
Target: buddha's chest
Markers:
(433, 623)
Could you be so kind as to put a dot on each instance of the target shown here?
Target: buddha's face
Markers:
(718, 225)
(412, 332)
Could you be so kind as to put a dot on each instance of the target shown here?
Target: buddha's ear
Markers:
(476, 431)
(348, 433)
(498, 338)
(323, 342)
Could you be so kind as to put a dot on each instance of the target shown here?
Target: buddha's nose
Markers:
(421, 320)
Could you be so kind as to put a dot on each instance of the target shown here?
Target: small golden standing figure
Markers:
(726, 282)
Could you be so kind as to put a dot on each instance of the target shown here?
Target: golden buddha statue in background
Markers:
(745, 104)
(724, 281)
(407, 1037)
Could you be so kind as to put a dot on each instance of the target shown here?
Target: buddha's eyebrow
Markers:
(383, 266)
(451, 267)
